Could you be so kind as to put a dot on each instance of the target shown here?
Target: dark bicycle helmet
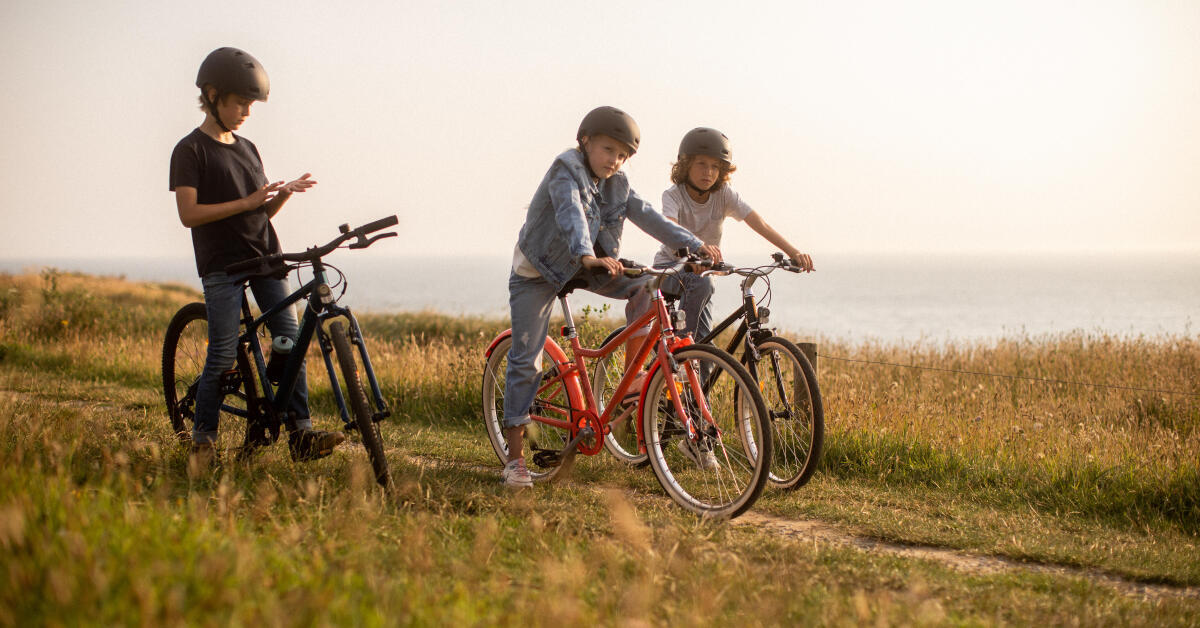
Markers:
(705, 141)
(612, 122)
(234, 71)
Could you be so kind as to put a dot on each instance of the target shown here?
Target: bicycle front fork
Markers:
(356, 339)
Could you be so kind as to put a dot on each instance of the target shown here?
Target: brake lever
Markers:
(363, 241)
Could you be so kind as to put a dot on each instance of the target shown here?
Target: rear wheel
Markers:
(185, 350)
(789, 388)
(552, 401)
(364, 419)
(721, 470)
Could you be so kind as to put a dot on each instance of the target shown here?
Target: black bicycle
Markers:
(248, 391)
(785, 376)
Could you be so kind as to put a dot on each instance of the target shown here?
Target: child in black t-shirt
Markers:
(223, 196)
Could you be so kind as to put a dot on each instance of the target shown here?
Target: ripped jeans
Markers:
(531, 301)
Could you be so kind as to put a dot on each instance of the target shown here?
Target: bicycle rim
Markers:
(793, 400)
(729, 482)
(622, 438)
(368, 429)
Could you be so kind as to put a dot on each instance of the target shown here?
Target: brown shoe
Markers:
(309, 445)
(201, 460)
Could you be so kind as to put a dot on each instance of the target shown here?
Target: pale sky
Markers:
(857, 126)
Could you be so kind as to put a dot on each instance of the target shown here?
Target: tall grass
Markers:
(100, 524)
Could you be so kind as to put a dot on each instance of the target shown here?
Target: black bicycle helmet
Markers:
(705, 141)
(234, 71)
(612, 122)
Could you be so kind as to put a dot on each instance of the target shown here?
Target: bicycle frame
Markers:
(572, 375)
(321, 307)
(750, 330)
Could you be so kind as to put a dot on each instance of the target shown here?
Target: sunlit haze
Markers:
(856, 126)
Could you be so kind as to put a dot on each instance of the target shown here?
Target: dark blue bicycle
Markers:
(247, 389)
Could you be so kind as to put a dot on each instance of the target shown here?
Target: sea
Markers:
(929, 299)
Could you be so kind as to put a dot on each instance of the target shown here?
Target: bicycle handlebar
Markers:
(360, 234)
(634, 269)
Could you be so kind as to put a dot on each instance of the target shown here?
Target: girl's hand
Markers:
(607, 263)
(262, 195)
(711, 252)
(801, 260)
(298, 185)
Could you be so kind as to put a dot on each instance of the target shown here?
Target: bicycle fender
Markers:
(495, 341)
(574, 388)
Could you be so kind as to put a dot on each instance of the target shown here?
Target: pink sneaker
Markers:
(516, 475)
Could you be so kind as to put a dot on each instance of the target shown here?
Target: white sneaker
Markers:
(516, 474)
(699, 453)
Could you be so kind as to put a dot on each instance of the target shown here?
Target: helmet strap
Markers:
(587, 163)
(212, 108)
(695, 187)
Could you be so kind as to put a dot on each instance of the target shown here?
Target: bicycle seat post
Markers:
(569, 321)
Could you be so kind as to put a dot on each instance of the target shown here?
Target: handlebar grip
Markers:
(254, 263)
(382, 223)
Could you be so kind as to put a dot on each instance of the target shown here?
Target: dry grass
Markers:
(100, 524)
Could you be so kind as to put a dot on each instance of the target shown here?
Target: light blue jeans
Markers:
(531, 301)
(223, 302)
(696, 301)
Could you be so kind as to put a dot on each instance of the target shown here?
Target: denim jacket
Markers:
(570, 216)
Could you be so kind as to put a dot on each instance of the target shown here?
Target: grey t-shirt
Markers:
(703, 219)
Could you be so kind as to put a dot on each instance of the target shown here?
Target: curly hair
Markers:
(679, 172)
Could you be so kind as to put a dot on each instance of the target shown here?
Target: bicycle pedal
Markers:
(547, 458)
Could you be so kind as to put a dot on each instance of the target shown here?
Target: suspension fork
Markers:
(356, 338)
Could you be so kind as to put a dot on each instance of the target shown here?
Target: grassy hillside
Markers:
(100, 524)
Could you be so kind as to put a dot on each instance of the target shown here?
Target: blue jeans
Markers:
(696, 301)
(223, 302)
(531, 301)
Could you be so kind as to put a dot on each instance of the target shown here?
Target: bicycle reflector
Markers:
(764, 315)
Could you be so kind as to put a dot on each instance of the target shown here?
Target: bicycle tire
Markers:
(622, 438)
(368, 429)
(740, 444)
(792, 396)
(185, 350)
(538, 436)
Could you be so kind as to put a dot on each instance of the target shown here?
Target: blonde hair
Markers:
(679, 172)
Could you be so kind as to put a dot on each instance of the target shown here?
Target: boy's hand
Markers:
(801, 260)
(607, 263)
(262, 195)
(711, 252)
(299, 185)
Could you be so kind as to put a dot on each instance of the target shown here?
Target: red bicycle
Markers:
(709, 446)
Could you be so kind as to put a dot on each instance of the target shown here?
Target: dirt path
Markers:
(819, 532)
(815, 532)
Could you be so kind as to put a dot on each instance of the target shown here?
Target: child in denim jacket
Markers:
(574, 225)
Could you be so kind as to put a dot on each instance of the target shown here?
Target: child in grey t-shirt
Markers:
(700, 200)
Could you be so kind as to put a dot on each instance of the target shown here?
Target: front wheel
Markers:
(789, 387)
(552, 401)
(364, 419)
(719, 468)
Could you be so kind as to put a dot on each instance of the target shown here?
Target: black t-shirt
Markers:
(222, 173)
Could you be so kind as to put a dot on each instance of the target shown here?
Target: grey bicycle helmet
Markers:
(612, 122)
(234, 71)
(706, 141)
